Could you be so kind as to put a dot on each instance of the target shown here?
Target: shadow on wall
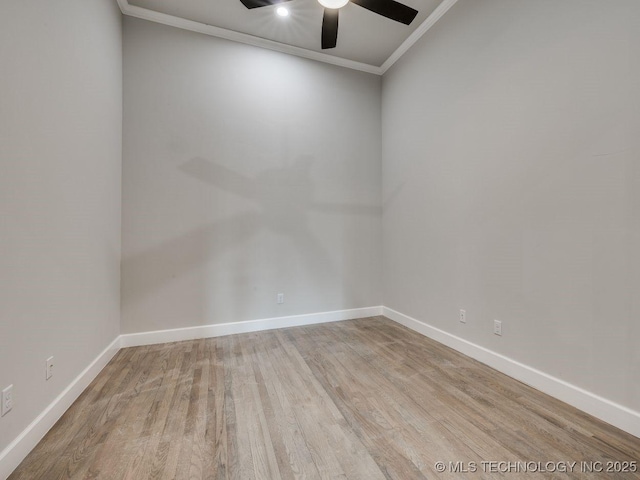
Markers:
(273, 190)
(283, 198)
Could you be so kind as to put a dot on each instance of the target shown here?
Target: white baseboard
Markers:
(611, 412)
(17, 450)
(208, 331)
(617, 415)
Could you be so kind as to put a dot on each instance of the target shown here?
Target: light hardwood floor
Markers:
(362, 399)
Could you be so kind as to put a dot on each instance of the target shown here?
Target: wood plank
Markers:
(362, 399)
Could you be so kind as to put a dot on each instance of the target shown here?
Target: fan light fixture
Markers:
(283, 12)
(390, 9)
(333, 3)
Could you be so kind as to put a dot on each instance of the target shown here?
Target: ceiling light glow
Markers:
(282, 11)
(333, 3)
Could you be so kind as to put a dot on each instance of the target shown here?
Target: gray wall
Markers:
(510, 158)
(60, 177)
(512, 185)
(246, 173)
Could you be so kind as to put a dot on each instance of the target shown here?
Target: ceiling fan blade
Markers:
(261, 3)
(330, 28)
(390, 9)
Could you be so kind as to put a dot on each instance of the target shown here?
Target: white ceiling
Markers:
(365, 39)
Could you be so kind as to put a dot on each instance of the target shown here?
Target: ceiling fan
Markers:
(387, 8)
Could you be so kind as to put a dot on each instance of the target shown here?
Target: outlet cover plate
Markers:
(49, 368)
(497, 327)
(7, 400)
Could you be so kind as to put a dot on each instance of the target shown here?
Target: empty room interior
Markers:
(356, 239)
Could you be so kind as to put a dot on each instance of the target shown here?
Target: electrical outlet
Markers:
(49, 368)
(7, 400)
(497, 327)
(463, 316)
(281, 298)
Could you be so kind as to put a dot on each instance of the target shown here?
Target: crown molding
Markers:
(123, 4)
(429, 22)
(138, 12)
(199, 27)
